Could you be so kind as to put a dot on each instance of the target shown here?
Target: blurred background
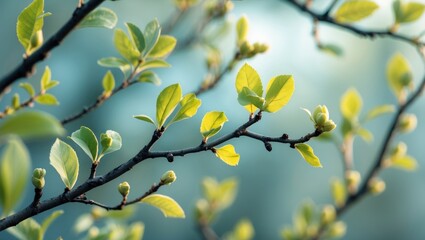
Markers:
(272, 185)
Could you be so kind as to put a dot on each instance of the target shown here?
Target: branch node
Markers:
(284, 136)
(170, 157)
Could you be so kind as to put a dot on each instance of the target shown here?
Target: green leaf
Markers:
(136, 36)
(28, 88)
(355, 10)
(399, 75)
(242, 28)
(157, 63)
(226, 193)
(64, 159)
(28, 229)
(243, 231)
(405, 162)
(248, 77)
(16, 102)
(151, 34)
(149, 77)
(249, 97)
(212, 123)
(113, 62)
(167, 102)
(85, 138)
(100, 17)
(168, 206)
(125, 47)
(365, 134)
(189, 106)
(108, 83)
(308, 154)
(228, 155)
(116, 142)
(378, 111)
(29, 22)
(14, 173)
(338, 192)
(31, 125)
(163, 47)
(45, 79)
(331, 49)
(279, 92)
(47, 99)
(145, 118)
(83, 223)
(351, 104)
(406, 12)
(46, 223)
(135, 231)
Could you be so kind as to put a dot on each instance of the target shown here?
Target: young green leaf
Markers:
(228, 155)
(279, 92)
(167, 102)
(64, 159)
(45, 79)
(244, 230)
(28, 88)
(378, 111)
(248, 77)
(405, 162)
(156, 63)
(47, 99)
(307, 153)
(108, 83)
(355, 10)
(351, 104)
(101, 17)
(116, 142)
(406, 12)
(31, 125)
(14, 173)
(163, 47)
(212, 123)
(16, 102)
(145, 118)
(149, 77)
(136, 36)
(46, 223)
(399, 75)
(168, 206)
(125, 47)
(331, 49)
(189, 106)
(113, 62)
(151, 34)
(242, 28)
(28, 229)
(226, 193)
(30, 20)
(365, 134)
(85, 138)
(338, 192)
(249, 97)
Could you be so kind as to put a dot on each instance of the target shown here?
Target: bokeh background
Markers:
(271, 185)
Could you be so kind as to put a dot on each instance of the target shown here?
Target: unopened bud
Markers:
(407, 123)
(170, 157)
(268, 146)
(124, 189)
(260, 47)
(246, 48)
(337, 230)
(353, 179)
(105, 141)
(399, 150)
(201, 208)
(328, 126)
(376, 186)
(320, 115)
(38, 178)
(328, 214)
(168, 177)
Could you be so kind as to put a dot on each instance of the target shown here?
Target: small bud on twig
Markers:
(168, 177)
(38, 178)
(124, 189)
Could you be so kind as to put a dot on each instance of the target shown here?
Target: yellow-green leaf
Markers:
(355, 10)
(378, 111)
(151, 34)
(167, 102)
(145, 118)
(30, 20)
(338, 192)
(14, 173)
(85, 138)
(125, 47)
(168, 206)
(399, 75)
(28, 88)
(101, 17)
(405, 162)
(406, 12)
(247, 97)
(163, 47)
(228, 155)
(64, 159)
(189, 107)
(331, 49)
(108, 83)
(149, 77)
(212, 123)
(351, 104)
(47, 99)
(279, 92)
(46, 223)
(248, 77)
(365, 134)
(308, 154)
(244, 230)
(114, 62)
(242, 29)
(156, 63)
(136, 36)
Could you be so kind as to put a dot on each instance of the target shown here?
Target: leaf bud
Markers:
(407, 123)
(105, 141)
(320, 115)
(328, 126)
(353, 179)
(376, 186)
(16, 101)
(170, 157)
(201, 208)
(328, 214)
(399, 151)
(124, 189)
(168, 177)
(246, 48)
(38, 178)
(260, 47)
(337, 230)
(268, 146)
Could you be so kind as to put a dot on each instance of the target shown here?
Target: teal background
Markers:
(271, 185)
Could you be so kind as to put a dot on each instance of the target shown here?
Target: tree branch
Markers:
(26, 68)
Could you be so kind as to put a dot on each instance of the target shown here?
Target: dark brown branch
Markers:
(26, 68)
